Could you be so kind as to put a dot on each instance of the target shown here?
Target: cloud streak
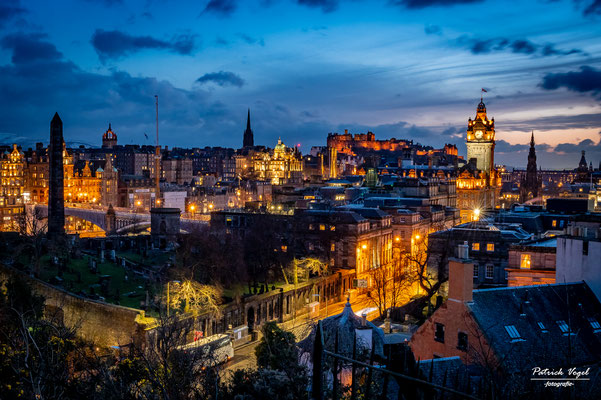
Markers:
(221, 78)
(116, 44)
(518, 46)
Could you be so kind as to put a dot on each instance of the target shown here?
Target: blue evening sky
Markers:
(401, 68)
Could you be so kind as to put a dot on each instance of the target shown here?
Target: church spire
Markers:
(532, 140)
(248, 140)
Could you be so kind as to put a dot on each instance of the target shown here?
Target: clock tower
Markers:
(481, 140)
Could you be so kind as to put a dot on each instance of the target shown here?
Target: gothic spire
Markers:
(248, 140)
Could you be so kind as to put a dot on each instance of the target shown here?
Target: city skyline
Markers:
(407, 69)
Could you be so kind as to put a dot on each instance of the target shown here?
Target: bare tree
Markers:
(390, 286)
(32, 230)
(194, 297)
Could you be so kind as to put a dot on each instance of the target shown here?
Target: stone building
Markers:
(12, 185)
(109, 139)
(532, 262)
(512, 330)
(282, 165)
(478, 183)
(489, 249)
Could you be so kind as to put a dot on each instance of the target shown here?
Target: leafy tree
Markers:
(277, 348)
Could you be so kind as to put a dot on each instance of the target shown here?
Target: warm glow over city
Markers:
(300, 200)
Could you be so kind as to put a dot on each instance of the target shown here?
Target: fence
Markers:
(417, 388)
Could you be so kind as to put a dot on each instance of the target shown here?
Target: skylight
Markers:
(565, 329)
(542, 327)
(513, 333)
(594, 324)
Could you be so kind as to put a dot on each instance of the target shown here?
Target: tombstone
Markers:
(112, 255)
(123, 262)
(101, 255)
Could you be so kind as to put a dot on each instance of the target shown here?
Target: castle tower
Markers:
(248, 140)
(56, 205)
(530, 184)
(481, 140)
(109, 139)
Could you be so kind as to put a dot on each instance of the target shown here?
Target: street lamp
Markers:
(476, 214)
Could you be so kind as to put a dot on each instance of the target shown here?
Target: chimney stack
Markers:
(461, 279)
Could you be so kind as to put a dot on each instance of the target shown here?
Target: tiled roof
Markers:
(534, 315)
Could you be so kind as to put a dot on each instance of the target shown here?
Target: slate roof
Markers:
(524, 308)
(345, 324)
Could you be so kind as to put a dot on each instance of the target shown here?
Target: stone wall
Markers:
(101, 323)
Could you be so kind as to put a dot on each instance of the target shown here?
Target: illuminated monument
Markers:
(478, 184)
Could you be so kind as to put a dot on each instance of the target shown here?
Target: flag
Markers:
(145, 135)
(484, 90)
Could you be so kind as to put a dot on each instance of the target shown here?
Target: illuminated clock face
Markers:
(478, 134)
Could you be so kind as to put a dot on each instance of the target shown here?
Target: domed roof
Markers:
(481, 106)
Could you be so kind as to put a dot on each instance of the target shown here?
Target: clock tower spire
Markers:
(481, 140)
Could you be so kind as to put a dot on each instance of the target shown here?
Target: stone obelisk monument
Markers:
(56, 200)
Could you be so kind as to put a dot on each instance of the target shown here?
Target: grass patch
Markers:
(77, 278)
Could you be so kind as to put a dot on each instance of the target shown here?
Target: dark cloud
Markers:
(523, 46)
(588, 79)
(586, 144)
(221, 78)
(430, 3)
(593, 7)
(326, 6)
(433, 30)
(10, 11)
(251, 40)
(501, 146)
(29, 47)
(223, 8)
(117, 44)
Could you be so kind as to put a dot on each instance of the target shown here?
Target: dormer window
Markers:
(594, 324)
(565, 328)
(513, 333)
(542, 327)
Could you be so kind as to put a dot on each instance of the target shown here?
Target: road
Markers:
(244, 356)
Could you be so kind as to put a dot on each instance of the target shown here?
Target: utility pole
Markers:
(157, 159)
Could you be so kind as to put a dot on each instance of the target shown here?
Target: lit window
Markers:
(525, 261)
(462, 341)
(439, 333)
(513, 333)
(542, 327)
(475, 246)
(322, 227)
(554, 223)
(333, 247)
(595, 325)
(490, 270)
(490, 247)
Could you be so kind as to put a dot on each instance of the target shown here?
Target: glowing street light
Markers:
(476, 214)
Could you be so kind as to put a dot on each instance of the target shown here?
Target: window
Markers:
(462, 341)
(322, 227)
(554, 223)
(476, 271)
(565, 329)
(490, 272)
(439, 332)
(333, 247)
(513, 333)
(475, 246)
(525, 261)
(490, 247)
(542, 327)
(561, 223)
(595, 325)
